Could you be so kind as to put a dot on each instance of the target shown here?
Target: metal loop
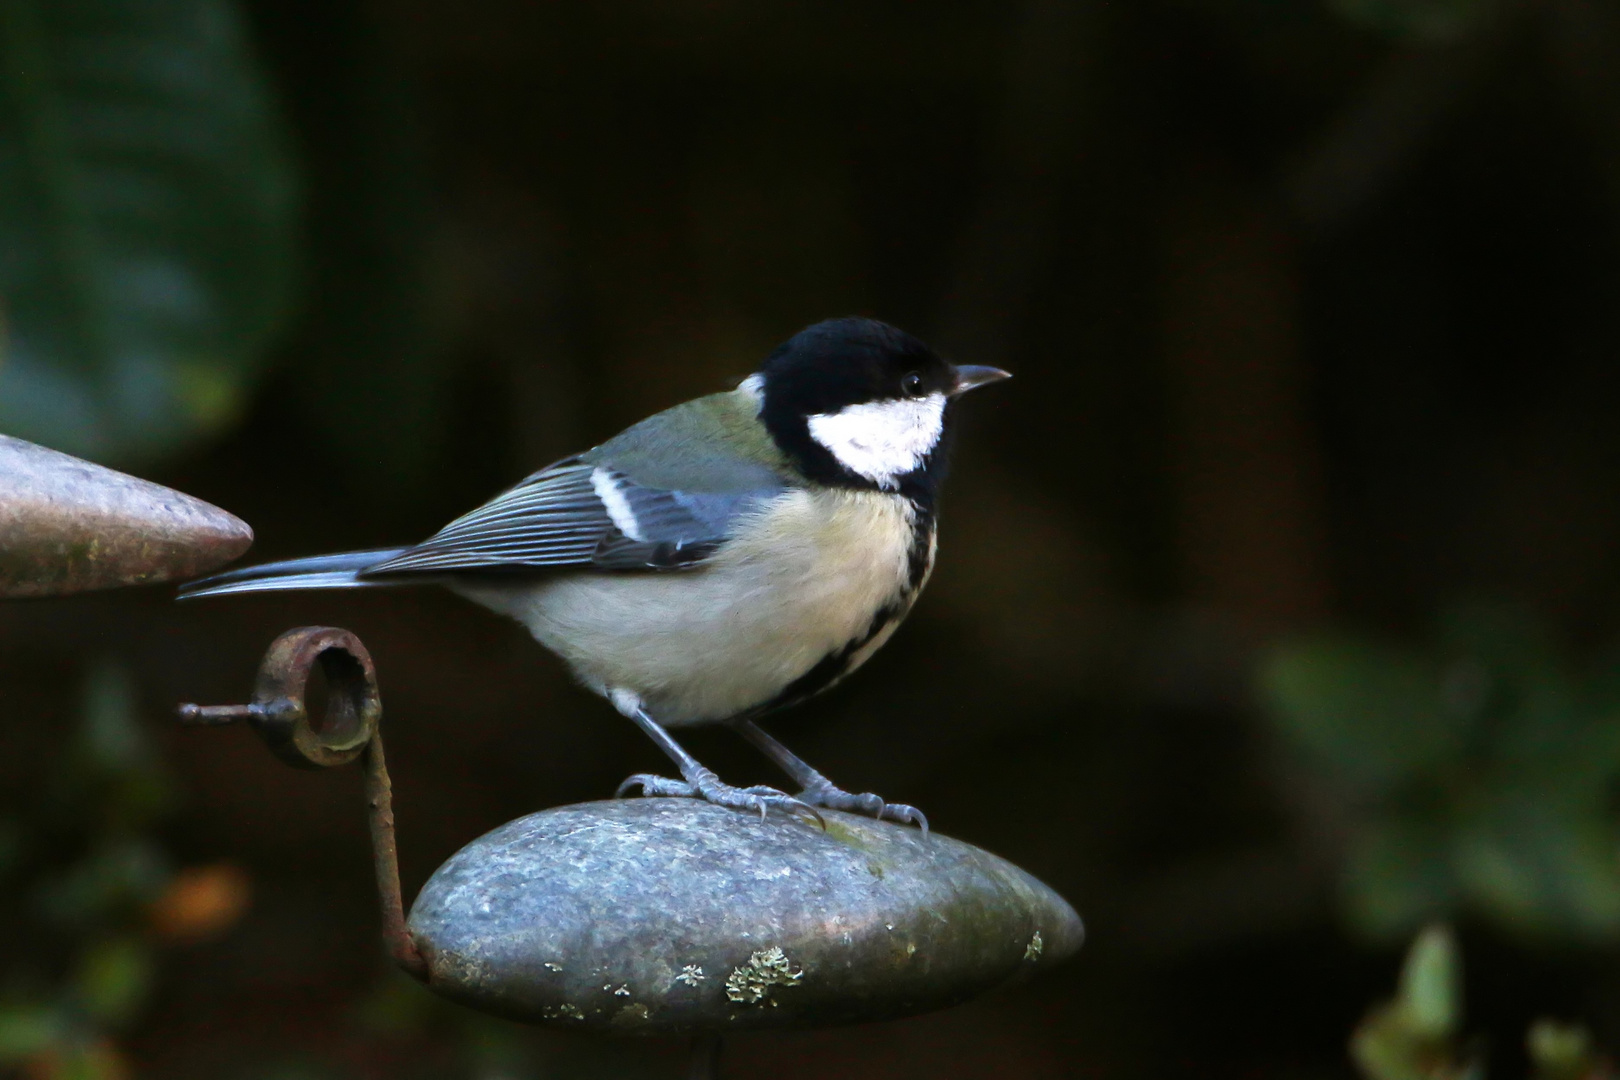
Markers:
(280, 714)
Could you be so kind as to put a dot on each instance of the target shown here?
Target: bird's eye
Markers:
(911, 384)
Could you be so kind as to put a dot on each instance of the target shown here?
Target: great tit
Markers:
(722, 559)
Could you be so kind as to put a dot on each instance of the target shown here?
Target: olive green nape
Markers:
(714, 444)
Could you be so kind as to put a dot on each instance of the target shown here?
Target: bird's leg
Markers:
(698, 782)
(818, 790)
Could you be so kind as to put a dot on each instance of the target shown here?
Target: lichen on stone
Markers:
(1032, 951)
(765, 970)
(691, 975)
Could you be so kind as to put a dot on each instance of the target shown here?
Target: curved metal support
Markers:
(348, 728)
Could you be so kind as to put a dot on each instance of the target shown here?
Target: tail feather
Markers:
(340, 571)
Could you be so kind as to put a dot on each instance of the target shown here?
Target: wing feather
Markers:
(576, 513)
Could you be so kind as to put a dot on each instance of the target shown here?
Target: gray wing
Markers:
(576, 513)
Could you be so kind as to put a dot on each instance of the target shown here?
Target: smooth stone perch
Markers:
(675, 915)
(67, 526)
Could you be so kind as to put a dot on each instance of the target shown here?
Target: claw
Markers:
(652, 786)
(873, 806)
(803, 809)
(906, 815)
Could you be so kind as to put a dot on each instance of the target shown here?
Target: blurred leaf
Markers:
(113, 979)
(147, 222)
(1430, 991)
(116, 753)
(1414, 1037)
(1397, 876)
(399, 1005)
(1383, 1051)
(25, 1030)
(1540, 870)
(1559, 1051)
(98, 1060)
(1569, 755)
(1484, 768)
(1508, 678)
(111, 738)
(1505, 636)
(1416, 20)
(116, 875)
(1373, 713)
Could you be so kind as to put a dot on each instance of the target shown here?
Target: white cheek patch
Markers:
(882, 440)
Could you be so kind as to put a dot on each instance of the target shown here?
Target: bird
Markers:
(723, 559)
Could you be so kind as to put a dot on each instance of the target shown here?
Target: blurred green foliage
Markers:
(1419, 1034)
(1416, 20)
(1414, 1037)
(1478, 771)
(80, 877)
(147, 222)
(1560, 1051)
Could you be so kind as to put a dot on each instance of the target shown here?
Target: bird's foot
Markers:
(822, 792)
(705, 785)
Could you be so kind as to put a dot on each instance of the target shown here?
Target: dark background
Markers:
(1311, 310)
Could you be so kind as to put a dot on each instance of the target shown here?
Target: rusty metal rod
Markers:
(216, 715)
(385, 855)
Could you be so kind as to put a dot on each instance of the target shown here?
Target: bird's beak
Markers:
(973, 376)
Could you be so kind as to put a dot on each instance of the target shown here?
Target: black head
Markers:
(857, 403)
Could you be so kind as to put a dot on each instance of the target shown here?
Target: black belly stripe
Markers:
(835, 665)
(832, 667)
(919, 560)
